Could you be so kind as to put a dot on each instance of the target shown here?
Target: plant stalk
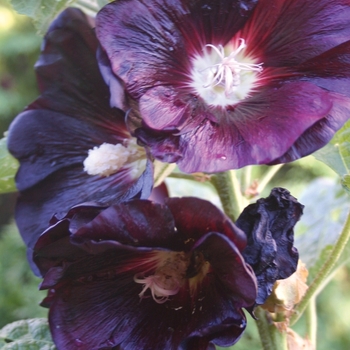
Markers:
(229, 191)
(323, 272)
(271, 338)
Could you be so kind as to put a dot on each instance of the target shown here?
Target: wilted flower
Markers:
(269, 225)
(220, 84)
(72, 146)
(140, 275)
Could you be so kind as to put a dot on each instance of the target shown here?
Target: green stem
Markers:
(198, 177)
(246, 177)
(270, 173)
(323, 272)
(240, 201)
(228, 189)
(311, 321)
(161, 171)
(271, 338)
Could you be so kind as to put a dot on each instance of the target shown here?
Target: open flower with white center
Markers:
(220, 84)
(72, 146)
(140, 275)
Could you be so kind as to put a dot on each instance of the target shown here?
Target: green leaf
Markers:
(325, 212)
(8, 169)
(336, 154)
(32, 334)
(41, 11)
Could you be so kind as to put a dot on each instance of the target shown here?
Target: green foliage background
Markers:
(19, 47)
(19, 295)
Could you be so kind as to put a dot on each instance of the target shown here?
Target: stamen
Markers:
(228, 71)
(167, 279)
(159, 294)
(107, 159)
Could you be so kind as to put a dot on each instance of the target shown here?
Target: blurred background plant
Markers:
(19, 47)
(19, 295)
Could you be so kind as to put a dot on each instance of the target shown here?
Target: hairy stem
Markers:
(270, 173)
(323, 272)
(229, 191)
(246, 178)
(311, 321)
(271, 338)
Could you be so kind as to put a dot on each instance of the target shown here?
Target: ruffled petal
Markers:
(269, 225)
(204, 219)
(135, 223)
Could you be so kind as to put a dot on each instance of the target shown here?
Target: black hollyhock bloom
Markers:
(269, 225)
(145, 276)
(72, 146)
(220, 84)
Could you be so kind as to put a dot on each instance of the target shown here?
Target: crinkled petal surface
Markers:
(94, 300)
(269, 225)
(52, 137)
(300, 101)
(146, 46)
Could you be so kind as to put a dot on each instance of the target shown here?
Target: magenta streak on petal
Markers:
(292, 31)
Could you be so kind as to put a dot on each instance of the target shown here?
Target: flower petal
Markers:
(290, 32)
(45, 142)
(55, 194)
(320, 133)
(69, 79)
(135, 223)
(269, 225)
(256, 132)
(204, 218)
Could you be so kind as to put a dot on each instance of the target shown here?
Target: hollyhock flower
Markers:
(72, 146)
(269, 225)
(141, 275)
(219, 84)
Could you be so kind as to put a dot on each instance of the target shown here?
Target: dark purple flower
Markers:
(140, 275)
(72, 146)
(219, 84)
(269, 225)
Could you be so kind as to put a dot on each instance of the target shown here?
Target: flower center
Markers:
(107, 159)
(228, 71)
(167, 279)
(223, 79)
